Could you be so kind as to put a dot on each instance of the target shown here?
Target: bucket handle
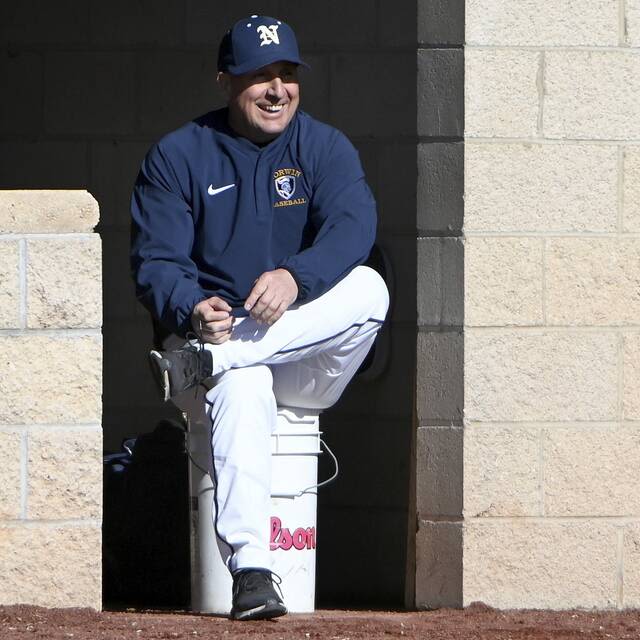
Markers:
(311, 488)
(289, 495)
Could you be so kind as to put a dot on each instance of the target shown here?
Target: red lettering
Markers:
(299, 538)
(282, 538)
(286, 541)
(276, 526)
(311, 537)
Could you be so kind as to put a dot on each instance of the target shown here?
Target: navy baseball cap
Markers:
(255, 42)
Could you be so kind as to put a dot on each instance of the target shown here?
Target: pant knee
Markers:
(244, 387)
(372, 287)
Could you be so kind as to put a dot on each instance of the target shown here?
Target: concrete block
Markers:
(331, 24)
(516, 376)
(592, 281)
(21, 110)
(35, 22)
(503, 281)
(391, 394)
(43, 165)
(10, 475)
(367, 447)
(440, 205)
(51, 566)
(376, 573)
(592, 95)
(64, 283)
(631, 189)
(50, 379)
(440, 92)
(521, 23)
(631, 563)
(114, 168)
(401, 252)
(397, 24)
(540, 187)
(441, 21)
(173, 88)
(440, 281)
(631, 376)
(207, 22)
(396, 186)
(439, 384)
(439, 471)
(439, 565)
(359, 108)
(122, 22)
(592, 471)
(64, 474)
(501, 471)
(119, 294)
(90, 92)
(632, 22)
(10, 288)
(315, 86)
(540, 565)
(44, 211)
(501, 92)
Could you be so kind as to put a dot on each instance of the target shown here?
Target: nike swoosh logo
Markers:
(212, 192)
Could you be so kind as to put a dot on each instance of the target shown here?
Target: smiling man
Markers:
(250, 226)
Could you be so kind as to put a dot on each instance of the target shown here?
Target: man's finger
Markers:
(222, 325)
(218, 304)
(280, 312)
(209, 315)
(271, 308)
(259, 288)
(263, 303)
(217, 338)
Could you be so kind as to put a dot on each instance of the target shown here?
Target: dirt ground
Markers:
(475, 622)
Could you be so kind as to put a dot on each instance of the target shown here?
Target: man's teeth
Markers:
(272, 108)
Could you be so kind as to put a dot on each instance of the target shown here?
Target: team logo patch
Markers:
(286, 186)
(268, 34)
(285, 183)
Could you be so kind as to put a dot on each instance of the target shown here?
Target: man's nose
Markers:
(276, 88)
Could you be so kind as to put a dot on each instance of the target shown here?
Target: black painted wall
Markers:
(88, 87)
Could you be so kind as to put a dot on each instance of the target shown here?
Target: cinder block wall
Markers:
(552, 305)
(50, 399)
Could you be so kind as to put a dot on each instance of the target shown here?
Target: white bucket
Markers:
(295, 449)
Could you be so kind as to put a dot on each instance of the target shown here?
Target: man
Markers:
(249, 224)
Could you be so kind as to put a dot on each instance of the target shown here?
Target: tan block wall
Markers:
(552, 304)
(50, 399)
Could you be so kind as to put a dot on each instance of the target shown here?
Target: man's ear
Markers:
(224, 83)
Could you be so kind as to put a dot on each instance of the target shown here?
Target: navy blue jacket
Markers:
(211, 211)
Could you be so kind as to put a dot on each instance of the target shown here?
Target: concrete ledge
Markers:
(47, 211)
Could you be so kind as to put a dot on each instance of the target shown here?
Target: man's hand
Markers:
(211, 319)
(272, 294)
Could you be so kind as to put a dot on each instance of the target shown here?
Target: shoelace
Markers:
(252, 580)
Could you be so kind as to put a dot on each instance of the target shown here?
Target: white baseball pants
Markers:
(304, 360)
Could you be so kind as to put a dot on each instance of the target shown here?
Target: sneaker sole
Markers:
(160, 373)
(271, 609)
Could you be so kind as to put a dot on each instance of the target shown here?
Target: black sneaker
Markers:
(177, 371)
(254, 597)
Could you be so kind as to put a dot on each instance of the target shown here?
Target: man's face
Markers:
(262, 102)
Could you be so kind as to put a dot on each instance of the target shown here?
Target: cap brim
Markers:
(253, 65)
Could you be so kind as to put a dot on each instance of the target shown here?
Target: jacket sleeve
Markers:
(161, 242)
(343, 212)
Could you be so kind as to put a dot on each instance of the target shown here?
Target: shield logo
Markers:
(285, 186)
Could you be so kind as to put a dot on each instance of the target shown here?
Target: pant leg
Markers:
(242, 409)
(317, 382)
(309, 329)
(313, 352)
